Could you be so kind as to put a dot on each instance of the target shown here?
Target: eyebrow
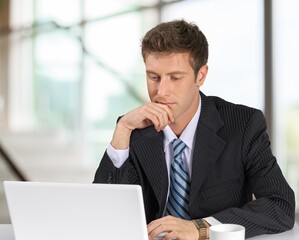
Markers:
(170, 73)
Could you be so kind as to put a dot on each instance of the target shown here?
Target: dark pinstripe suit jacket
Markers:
(232, 160)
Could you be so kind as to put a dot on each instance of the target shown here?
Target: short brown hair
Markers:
(177, 36)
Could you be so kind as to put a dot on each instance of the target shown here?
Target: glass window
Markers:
(234, 32)
(114, 75)
(20, 83)
(286, 58)
(95, 9)
(63, 12)
(57, 70)
(78, 78)
(56, 57)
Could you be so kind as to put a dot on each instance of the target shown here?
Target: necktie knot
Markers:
(178, 148)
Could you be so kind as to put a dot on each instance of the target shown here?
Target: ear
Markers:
(201, 75)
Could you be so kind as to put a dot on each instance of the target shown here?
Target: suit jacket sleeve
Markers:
(274, 208)
(108, 173)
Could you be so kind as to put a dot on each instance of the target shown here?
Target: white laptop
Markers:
(69, 211)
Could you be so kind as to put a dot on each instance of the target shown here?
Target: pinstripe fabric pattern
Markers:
(232, 160)
(179, 194)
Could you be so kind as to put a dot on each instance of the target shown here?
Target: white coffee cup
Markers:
(227, 232)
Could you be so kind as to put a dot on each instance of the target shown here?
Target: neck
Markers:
(178, 128)
(183, 120)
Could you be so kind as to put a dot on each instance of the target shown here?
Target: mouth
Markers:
(167, 103)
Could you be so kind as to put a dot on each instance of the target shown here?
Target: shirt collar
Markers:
(187, 135)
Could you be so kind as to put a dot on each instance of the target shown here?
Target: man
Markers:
(200, 160)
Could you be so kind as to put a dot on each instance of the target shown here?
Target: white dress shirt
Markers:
(118, 157)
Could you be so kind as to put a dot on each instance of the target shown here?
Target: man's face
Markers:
(171, 81)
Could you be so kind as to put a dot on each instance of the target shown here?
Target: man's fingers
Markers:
(162, 113)
(174, 228)
(165, 224)
(152, 117)
(164, 108)
(150, 113)
(171, 235)
(161, 229)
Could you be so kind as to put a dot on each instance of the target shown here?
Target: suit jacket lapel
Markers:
(149, 149)
(208, 145)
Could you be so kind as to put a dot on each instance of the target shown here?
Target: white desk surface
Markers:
(6, 233)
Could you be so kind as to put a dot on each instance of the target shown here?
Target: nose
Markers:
(163, 88)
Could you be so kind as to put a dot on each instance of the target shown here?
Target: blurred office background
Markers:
(69, 68)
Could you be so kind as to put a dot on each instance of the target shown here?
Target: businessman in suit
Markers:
(200, 160)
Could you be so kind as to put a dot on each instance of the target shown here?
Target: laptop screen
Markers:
(70, 211)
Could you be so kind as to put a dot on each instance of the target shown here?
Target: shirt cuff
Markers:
(117, 156)
(212, 221)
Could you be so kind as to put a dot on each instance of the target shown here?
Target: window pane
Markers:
(96, 8)
(63, 12)
(57, 57)
(114, 75)
(234, 32)
(286, 100)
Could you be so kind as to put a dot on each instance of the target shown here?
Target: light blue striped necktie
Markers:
(178, 200)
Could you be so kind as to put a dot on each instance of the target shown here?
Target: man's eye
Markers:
(154, 77)
(175, 77)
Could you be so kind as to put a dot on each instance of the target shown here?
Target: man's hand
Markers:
(176, 228)
(148, 114)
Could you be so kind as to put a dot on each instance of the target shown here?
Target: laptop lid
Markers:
(70, 211)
